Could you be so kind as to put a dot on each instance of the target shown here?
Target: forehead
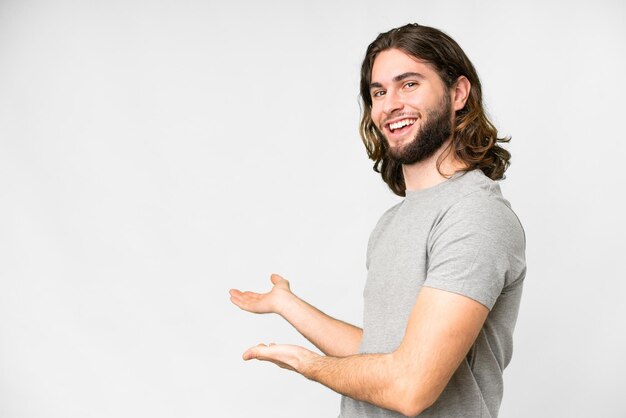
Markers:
(392, 62)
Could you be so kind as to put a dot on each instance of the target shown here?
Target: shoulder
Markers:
(479, 218)
(478, 204)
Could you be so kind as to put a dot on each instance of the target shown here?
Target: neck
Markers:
(424, 174)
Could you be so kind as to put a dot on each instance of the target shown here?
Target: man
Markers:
(445, 265)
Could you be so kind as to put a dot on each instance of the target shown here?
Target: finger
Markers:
(253, 352)
(245, 297)
(237, 301)
(239, 293)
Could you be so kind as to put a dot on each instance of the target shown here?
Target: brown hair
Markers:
(475, 139)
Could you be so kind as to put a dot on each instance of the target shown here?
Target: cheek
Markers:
(375, 114)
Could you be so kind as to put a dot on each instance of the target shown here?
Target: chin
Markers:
(399, 148)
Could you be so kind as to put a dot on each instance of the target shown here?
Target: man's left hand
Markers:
(291, 357)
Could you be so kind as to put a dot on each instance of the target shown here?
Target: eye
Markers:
(378, 93)
(410, 84)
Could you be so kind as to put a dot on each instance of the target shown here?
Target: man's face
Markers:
(410, 106)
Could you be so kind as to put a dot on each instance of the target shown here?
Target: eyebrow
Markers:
(397, 78)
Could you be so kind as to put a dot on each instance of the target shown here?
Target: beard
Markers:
(433, 133)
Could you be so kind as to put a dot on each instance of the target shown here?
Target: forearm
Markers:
(379, 379)
(384, 380)
(440, 331)
(332, 336)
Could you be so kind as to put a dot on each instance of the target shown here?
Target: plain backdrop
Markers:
(154, 154)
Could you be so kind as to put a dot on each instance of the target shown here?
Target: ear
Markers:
(460, 93)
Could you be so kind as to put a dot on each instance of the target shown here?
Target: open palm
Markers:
(262, 302)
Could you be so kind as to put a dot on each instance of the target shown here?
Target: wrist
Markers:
(286, 303)
(308, 364)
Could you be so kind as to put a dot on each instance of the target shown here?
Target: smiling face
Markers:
(411, 106)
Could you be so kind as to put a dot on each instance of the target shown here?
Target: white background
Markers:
(154, 154)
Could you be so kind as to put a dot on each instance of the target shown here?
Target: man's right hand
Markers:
(332, 336)
(263, 302)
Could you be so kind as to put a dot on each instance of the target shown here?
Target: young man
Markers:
(445, 265)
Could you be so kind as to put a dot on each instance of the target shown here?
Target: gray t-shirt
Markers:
(459, 236)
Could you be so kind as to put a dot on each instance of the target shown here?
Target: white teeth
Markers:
(401, 123)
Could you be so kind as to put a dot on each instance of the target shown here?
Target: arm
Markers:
(440, 331)
(332, 336)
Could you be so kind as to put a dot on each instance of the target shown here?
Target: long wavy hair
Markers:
(475, 140)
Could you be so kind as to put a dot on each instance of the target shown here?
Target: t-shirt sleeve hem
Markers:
(460, 290)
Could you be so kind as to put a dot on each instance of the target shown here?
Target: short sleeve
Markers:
(476, 248)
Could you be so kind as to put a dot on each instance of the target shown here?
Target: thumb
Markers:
(275, 278)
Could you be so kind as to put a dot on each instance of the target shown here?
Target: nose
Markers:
(392, 103)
